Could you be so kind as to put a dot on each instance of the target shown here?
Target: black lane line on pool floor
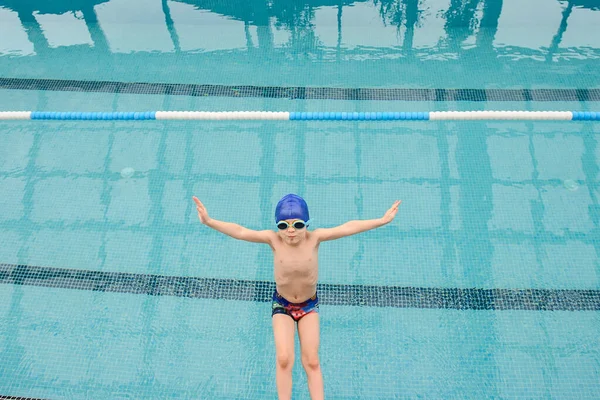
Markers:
(302, 93)
(329, 294)
(18, 398)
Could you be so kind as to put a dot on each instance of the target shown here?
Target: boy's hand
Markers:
(202, 213)
(391, 213)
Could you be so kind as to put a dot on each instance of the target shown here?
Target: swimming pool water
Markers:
(485, 286)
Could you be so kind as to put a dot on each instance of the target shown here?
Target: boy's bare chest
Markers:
(296, 271)
(296, 260)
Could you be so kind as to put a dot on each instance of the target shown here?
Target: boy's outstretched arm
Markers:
(354, 227)
(234, 230)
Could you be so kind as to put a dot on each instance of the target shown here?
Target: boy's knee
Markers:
(310, 361)
(285, 360)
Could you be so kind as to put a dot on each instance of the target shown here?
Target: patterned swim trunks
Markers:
(294, 310)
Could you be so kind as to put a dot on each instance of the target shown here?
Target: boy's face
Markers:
(290, 234)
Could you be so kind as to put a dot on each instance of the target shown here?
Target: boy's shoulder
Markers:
(313, 238)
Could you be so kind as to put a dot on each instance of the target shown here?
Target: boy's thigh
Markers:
(308, 333)
(283, 331)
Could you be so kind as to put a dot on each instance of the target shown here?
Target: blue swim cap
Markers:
(291, 207)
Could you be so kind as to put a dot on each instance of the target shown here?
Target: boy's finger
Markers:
(198, 202)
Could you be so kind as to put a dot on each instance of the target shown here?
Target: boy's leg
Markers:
(283, 330)
(308, 331)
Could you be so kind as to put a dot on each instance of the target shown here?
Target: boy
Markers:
(295, 259)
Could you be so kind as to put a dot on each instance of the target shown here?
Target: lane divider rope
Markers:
(304, 116)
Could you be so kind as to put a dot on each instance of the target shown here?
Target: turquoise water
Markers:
(486, 205)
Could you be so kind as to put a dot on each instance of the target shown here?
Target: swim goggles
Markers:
(298, 224)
